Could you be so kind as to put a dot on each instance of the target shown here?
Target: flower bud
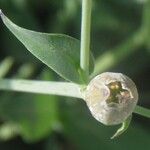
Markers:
(111, 97)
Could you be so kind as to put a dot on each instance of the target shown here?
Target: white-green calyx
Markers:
(111, 97)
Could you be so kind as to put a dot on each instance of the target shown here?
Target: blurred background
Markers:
(120, 43)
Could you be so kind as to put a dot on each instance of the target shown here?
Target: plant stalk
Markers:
(142, 111)
(41, 87)
(85, 35)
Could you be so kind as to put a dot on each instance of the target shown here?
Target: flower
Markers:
(111, 97)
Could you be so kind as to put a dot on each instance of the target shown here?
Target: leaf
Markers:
(123, 128)
(59, 52)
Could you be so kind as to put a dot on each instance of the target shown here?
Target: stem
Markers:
(41, 87)
(142, 111)
(85, 35)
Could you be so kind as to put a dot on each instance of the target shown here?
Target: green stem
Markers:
(85, 35)
(142, 111)
(41, 87)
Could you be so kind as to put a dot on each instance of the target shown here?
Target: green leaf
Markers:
(59, 52)
(123, 128)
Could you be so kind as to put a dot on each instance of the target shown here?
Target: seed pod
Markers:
(111, 97)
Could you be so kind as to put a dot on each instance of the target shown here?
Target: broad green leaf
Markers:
(59, 52)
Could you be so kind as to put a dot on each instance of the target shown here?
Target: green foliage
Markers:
(35, 115)
(115, 23)
(59, 52)
(86, 133)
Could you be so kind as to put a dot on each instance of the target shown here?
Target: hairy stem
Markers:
(41, 87)
(85, 35)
